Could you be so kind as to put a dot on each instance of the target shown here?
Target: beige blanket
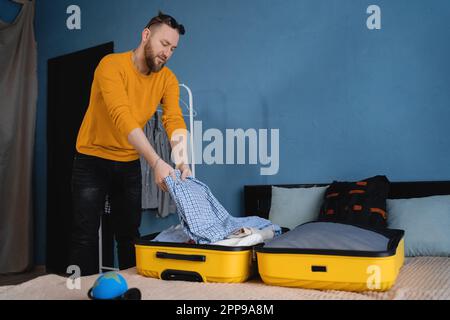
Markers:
(419, 278)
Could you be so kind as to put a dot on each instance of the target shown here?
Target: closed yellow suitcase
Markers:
(346, 270)
(194, 262)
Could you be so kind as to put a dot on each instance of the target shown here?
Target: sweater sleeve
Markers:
(172, 118)
(112, 87)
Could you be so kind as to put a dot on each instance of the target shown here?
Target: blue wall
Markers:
(349, 102)
(9, 10)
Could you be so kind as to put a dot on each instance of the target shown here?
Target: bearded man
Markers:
(126, 91)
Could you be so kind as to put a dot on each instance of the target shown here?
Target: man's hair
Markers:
(162, 18)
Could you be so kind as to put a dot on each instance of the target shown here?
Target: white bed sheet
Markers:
(420, 278)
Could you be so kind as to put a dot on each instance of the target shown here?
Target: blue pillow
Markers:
(291, 207)
(426, 222)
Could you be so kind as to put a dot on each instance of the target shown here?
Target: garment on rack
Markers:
(201, 215)
(152, 196)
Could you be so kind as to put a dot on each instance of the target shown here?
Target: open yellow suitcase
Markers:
(194, 262)
(331, 269)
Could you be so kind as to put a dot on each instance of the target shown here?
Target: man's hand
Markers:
(185, 171)
(162, 170)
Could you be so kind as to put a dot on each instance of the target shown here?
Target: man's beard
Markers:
(150, 59)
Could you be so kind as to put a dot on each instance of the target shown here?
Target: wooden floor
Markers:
(18, 278)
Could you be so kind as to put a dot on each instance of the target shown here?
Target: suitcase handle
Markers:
(181, 275)
(175, 256)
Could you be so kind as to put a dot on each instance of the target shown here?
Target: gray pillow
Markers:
(294, 206)
(426, 222)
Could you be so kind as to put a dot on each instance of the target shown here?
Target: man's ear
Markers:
(146, 34)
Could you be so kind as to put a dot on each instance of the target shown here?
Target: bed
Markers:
(257, 197)
(420, 277)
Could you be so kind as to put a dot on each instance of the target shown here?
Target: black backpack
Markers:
(361, 203)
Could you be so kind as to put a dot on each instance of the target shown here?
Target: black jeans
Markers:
(92, 179)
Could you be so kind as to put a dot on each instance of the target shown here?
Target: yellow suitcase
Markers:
(325, 269)
(194, 262)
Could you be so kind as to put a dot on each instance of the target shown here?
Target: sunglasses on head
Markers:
(170, 21)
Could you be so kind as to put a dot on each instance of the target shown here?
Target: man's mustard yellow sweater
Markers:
(123, 99)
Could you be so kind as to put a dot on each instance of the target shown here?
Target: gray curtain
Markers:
(18, 96)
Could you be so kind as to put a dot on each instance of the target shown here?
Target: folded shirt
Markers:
(240, 238)
(202, 217)
(173, 234)
(250, 240)
(247, 237)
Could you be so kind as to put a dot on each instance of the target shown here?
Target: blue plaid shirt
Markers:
(201, 215)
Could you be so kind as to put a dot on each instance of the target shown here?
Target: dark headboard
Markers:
(258, 197)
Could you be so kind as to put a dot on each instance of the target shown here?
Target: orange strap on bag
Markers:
(379, 211)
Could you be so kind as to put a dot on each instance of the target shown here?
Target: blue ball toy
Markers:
(110, 285)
